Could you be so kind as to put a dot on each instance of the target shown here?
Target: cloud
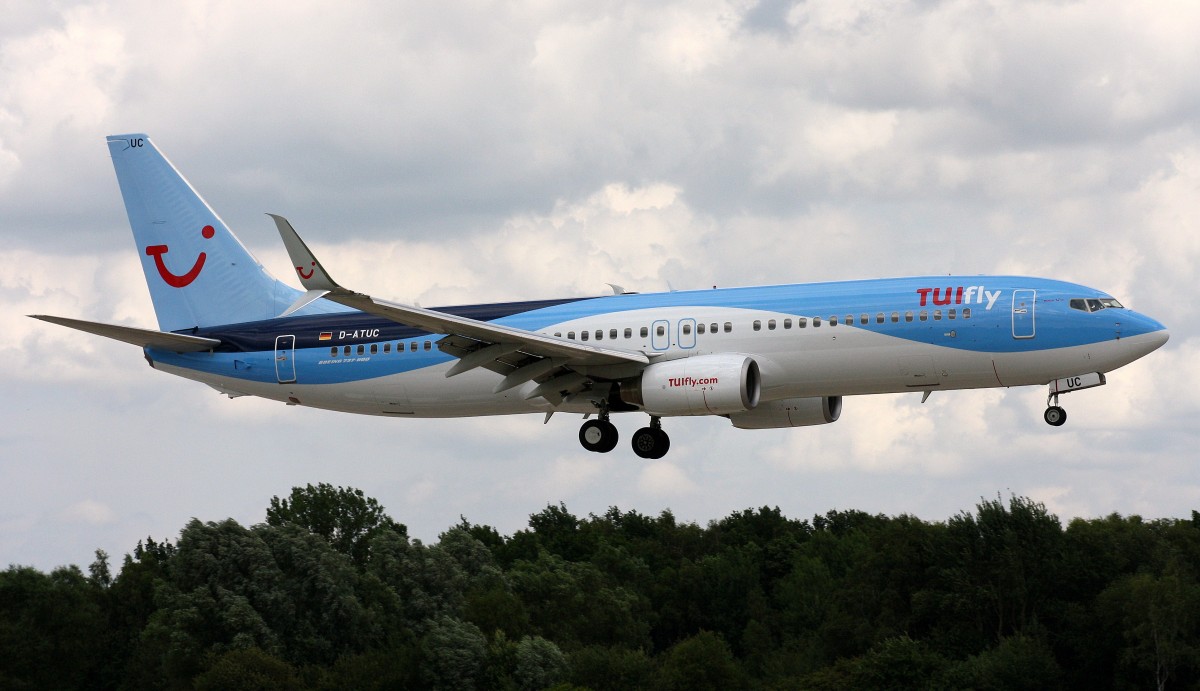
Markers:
(90, 511)
(546, 151)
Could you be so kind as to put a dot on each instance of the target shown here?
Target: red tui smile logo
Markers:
(174, 280)
(306, 274)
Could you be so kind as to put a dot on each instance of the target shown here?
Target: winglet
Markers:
(312, 275)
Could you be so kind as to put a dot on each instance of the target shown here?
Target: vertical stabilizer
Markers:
(198, 272)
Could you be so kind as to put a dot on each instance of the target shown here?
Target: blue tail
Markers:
(198, 272)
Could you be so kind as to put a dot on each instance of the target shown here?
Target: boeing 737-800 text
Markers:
(763, 357)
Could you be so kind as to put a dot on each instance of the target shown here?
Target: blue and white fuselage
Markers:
(769, 356)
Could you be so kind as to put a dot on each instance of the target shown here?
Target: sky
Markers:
(465, 152)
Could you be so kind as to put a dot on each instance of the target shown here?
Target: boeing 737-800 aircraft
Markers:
(763, 357)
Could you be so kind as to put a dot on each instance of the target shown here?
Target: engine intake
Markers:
(718, 384)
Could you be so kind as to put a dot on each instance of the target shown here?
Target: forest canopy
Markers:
(331, 593)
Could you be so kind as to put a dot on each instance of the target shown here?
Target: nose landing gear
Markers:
(1055, 415)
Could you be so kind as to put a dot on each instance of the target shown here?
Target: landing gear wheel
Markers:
(651, 442)
(599, 436)
(1055, 416)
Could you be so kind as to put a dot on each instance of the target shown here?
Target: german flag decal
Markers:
(326, 336)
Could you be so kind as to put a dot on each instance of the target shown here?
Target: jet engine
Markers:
(718, 384)
(790, 412)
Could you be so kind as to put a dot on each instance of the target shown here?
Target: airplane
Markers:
(763, 357)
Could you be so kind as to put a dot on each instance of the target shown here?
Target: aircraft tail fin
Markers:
(198, 272)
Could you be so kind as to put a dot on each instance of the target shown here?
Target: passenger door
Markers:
(1024, 306)
(285, 359)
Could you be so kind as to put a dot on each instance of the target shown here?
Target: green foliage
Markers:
(602, 668)
(540, 664)
(343, 516)
(453, 653)
(331, 593)
(248, 669)
(700, 663)
(51, 628)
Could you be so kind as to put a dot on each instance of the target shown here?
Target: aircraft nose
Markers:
(1150, 335)
(1158, 338)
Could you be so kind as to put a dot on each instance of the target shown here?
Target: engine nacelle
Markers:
(717, 384)
(790, 412)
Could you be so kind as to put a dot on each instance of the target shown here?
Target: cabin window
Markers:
(787, 323)
(644, 332)
(583, 335)
(374, 348)
(387, 347)
(700, 328)
(660, 330)
(937, 315)
(879, 318)
(346, 350)
(951, 313)
(361, 350)
(728, 327)
(966, 313)
(428, 345)
(924, 316)
(712, 327)
(833, 320)
(771, 324)
(333, 351)
(687, 329)
(864, 319)
(801, 322)
(599, 334)
(757, 325)
(612, 333)
(816, 322)
(628, 333)
(571, 335)
(895, 317)
(558, 334)
(412, 347)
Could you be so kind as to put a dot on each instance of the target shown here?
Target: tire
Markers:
(651, 443)
(1055, 416)
(598, 436)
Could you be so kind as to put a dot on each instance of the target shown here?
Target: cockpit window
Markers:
(1094, 304)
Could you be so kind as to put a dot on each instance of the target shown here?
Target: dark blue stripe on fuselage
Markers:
(351, 327)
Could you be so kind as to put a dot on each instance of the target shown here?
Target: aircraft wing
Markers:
(180, 343)
(518, 354)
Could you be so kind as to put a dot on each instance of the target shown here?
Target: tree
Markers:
(51, 628)
(341, 515)
(453, 654)
(248, 669)
(1159, 617)
(610, 669)
(540, 664)
(703, 661)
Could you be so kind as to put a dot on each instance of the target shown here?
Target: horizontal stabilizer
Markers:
(180, 343)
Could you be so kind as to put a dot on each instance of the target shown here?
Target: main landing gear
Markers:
(600, 436)
(652, 441)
